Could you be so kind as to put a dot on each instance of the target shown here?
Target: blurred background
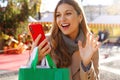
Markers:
(103, 18)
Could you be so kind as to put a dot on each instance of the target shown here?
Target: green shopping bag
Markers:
(34, 73)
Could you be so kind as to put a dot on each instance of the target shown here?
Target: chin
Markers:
(65, 33)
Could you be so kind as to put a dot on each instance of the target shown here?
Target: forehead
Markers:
(65, 7)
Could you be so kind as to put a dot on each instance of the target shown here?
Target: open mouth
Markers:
(65, 25)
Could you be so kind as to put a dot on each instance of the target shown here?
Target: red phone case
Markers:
(35, 30)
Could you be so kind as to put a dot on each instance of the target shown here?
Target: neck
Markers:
(72, 44)
(74, 35)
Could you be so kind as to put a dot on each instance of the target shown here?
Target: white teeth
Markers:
(64, 24)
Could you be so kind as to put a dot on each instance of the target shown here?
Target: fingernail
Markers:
(39, 35)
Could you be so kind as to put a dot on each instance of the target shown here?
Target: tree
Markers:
(14, 17)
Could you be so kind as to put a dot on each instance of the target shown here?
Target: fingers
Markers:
(43, 43)
(43, 52)
(91, 45)
(97, 38)
(89, 38)
(92, 41)
(36, 42)
(80, 44)
(98, 45)
(95, 42)
(42, 55)
(44, 48)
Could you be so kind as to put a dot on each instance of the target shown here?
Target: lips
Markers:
(65, 25)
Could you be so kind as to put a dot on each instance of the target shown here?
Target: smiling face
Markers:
(68, 20)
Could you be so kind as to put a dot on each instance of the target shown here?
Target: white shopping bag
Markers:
(34, 58)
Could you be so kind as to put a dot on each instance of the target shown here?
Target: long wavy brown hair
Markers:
(63, 58)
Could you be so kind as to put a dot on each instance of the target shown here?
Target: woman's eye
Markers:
(57, 15)
(68, 13)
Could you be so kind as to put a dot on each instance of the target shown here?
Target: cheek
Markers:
(57, 21)
(74, 22)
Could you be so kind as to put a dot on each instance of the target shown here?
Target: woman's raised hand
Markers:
(89, 49)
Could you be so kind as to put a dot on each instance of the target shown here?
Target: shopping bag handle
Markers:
(35, 59)
(50, 61)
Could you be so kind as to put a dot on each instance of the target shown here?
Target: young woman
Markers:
(72, 44)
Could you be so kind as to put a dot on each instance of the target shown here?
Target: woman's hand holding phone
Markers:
(39, 39)
(44, 47)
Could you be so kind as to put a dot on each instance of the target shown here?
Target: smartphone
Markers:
(35, 30)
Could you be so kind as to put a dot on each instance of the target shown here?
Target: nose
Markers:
(63, 18)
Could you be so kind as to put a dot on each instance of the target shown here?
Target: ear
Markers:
(80, 18)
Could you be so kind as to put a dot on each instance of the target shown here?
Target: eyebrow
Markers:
(66, 11)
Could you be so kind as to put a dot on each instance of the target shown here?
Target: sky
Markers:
(49, 5)
(3, 4)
